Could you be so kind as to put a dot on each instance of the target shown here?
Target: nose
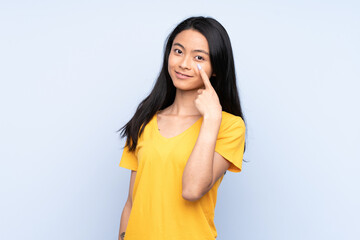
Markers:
(185, 62)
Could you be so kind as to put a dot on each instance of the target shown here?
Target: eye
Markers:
(201, 58)
(177, 51)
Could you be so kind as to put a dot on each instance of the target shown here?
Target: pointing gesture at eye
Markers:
(207, 102)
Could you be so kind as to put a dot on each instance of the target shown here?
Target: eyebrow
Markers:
(196, 50)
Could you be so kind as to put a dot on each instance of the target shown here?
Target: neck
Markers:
(183, 104)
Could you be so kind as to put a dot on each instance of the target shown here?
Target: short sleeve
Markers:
(231, 141)
(128, 160)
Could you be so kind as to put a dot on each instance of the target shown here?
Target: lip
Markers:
(182, 76)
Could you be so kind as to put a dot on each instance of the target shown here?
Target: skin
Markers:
(127, 208)
(195, 98)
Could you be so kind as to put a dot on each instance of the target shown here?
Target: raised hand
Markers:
(207, 102)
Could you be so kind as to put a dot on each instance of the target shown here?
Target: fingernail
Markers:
(199, 67)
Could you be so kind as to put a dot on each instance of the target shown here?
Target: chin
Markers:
(185, 86)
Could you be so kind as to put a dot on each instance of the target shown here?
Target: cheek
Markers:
(208, 71)
(170, 62)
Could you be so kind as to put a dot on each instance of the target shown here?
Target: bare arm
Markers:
(204, 166)
(127, 208)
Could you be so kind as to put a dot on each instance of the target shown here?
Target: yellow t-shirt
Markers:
(159, 212)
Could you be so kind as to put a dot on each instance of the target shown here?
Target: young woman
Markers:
(183, 137)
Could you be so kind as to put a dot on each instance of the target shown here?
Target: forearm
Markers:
(124, 218)
(198, 172)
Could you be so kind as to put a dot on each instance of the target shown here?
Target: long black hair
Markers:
(163, 93)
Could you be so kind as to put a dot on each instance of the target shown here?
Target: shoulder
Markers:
(148, 126)
(231, 120)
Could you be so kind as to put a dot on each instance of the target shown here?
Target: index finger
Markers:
(204, 77)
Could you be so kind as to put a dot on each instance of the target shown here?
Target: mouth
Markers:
(181, 75)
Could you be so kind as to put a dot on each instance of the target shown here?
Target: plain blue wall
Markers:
(73, 72)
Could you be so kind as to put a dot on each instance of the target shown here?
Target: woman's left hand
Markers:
(207, 102)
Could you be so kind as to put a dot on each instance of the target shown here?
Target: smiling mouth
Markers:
(182, 74)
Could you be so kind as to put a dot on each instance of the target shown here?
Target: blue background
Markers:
(73, 72)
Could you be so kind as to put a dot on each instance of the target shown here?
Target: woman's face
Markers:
(189, 48)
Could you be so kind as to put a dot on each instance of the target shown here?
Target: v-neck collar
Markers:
(174, 137)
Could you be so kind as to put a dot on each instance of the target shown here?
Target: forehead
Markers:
(192, 39)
